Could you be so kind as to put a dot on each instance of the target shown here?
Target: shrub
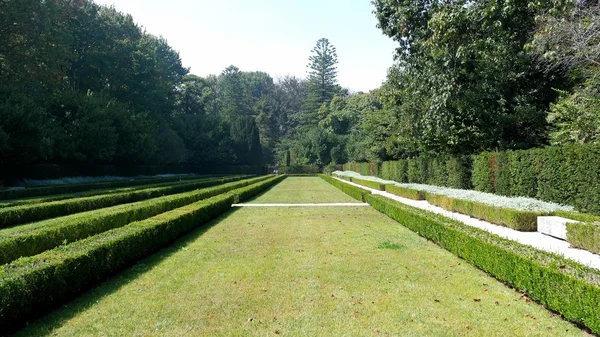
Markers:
(29, 240)
(353, 191)
(73, 188)
(31, 286)
(482, 173)
(584, 235)
(28, 213)
(405, 192)
(555, 282)
(512, 218)
(369, 183)
(459, 172)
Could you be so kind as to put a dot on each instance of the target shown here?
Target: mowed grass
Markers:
(303, 190)
(329, 271)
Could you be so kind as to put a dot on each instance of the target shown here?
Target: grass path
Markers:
(327, 271)
(299, 190)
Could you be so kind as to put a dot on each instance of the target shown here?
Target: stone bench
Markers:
(554, 226)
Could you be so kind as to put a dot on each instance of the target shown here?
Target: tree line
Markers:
(80, 82)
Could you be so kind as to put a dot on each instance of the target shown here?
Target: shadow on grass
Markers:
(61, 315)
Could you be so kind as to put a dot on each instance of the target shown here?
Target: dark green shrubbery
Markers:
(29, 213)
(31, 286)
(584, 235)
(555, 282)
(73, 188)
(353, 191)
(566, 175)
(39, 237)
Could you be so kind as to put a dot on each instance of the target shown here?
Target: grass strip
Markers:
(73, 188)
(29, 240)
(353, 191)
(33, 285)
(28, 213)
(559, 284)
(404, 192)
(525, 221)
(39, 200)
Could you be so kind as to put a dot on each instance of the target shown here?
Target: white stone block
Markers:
(554, 226)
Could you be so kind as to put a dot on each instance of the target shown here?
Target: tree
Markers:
(246, 141)
(322, 80)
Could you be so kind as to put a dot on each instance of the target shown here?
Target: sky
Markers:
(274, 36)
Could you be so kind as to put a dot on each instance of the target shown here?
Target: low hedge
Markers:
(353, 191)
(555, 282)
(584, 235)
(369, 183)
(39, 200)
(29, 213)
(31, 286)
(29, 240)
(404, 192)
(525, 221)
(73, 188)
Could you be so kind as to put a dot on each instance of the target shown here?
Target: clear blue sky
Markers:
(275, 36)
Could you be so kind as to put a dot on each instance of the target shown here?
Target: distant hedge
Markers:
(446, 171)
(567, 175)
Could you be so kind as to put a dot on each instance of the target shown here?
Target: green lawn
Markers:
(328, 271)
(303, 190)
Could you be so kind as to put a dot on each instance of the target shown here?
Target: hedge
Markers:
(404, 192)
(29, 240)
(450, 171)
(33, 285)
(368, 183)
(73, 188)
(525, 221)
(39, 200)
(353, 191)
(566, 175)
(29, 213)
(555, 282)
(584, 235)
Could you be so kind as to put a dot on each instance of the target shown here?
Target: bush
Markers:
(29, 240)
(29, 213)
(567, 175)
(353, 191)
(515, 219)
(584, 235)
(31, 286)
(555, 282)
(369, 183)
(459, 172)
(73, 188)
(405, 192)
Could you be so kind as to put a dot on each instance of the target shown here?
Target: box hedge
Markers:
(584, 235)
(516, 219)
(557, 283)
(566, 175)
(353, 191)
(29, 240)
(404, 192)
(73, 188)
(29, 213)
(369, 183)
(33, 285)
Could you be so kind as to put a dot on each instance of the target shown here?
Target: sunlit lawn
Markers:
(303, 190)
(330, 271)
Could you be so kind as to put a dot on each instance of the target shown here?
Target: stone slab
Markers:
(554, 226)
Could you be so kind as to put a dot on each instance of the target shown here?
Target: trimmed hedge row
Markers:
(520, 220)
(31, 286)
(369, 183)
(73, 188)
(555, 282)
(525, 221)
(584, 235)
(29, 213)
(567, 175)
(39, 200)
(29, 240)
(404, 192)
(353, 191)
(447, 171)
